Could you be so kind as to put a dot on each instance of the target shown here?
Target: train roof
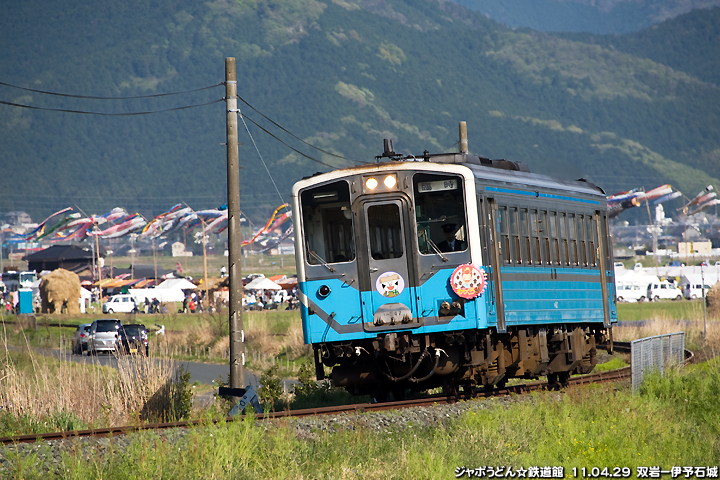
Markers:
(500, 171)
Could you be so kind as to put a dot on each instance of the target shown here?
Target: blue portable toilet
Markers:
(26, 300)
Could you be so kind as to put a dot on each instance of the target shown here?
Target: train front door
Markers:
(389, 275)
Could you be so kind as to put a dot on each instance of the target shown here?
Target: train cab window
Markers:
(327, 224)
(385, 230)
(514, 238)
(440, 213)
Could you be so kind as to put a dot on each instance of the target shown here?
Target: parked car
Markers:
(676, 264)
(120, 304)
(663, 291)
(695, 290)
(103, 336)
(630, 292)
(133, 338)
(80, 338)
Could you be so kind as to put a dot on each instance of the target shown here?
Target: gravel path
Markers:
(49, 453)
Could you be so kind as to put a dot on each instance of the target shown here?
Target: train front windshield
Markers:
(327, 224)
(439, 213)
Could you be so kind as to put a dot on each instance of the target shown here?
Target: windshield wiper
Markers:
(324, 263)
(435, 247)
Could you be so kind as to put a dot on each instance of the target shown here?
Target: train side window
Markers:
(554, 244)
(544, 230)
(327, 224)
(514, 239)
(572, 240)
(607, 240)
(502, 232)
(582, 248)
(534, 238)
(591, 234)
(562, 233)
(524, 236)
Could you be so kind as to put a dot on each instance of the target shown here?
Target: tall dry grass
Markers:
(38, 387)
(662, 324)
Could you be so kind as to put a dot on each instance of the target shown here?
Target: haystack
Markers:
(713, 301)
(60, 288)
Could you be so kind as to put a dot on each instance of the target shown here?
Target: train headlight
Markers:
(371, 183)
(390, 181)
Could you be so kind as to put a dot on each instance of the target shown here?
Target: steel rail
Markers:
(440, 399)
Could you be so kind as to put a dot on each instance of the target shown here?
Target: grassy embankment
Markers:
(673, 421)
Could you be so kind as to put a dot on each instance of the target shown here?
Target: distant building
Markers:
(70, 257)
(688, 248)
(178, 250)
(17, 218)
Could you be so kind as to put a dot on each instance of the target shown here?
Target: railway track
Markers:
(599, 377)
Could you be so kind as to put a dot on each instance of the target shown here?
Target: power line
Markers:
(291, 148)
(295, 136)
(110, 98)
(109, 114)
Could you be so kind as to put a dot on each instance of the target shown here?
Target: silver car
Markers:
(103, 336)
(80, 338)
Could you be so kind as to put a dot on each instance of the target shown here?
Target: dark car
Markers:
(80, 339)
(133, 338)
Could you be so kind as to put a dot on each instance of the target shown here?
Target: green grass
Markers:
(672, 422)
(666, 309)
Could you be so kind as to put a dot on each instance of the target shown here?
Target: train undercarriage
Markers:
(393, 363)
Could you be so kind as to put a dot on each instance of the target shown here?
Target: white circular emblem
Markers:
(390, 284)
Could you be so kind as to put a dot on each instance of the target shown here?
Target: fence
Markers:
(656, 353)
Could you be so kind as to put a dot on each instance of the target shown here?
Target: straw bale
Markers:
(60, 287)
(713, 301)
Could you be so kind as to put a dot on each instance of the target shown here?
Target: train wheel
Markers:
(552, 378)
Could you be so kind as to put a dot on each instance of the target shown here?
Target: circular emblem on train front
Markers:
(468, 281)
(390, 284)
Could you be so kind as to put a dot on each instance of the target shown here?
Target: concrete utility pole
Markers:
(237, 336)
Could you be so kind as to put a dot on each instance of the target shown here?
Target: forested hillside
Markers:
(341, 75)
(590, 16)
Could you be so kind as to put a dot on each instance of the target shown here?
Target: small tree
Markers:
(271, 389)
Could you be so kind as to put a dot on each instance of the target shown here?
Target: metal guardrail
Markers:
(656, 354)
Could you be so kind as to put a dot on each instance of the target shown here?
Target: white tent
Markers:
(85, 297)
(177, 284)
(262, 283)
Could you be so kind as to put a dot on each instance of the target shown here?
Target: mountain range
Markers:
(622, 111)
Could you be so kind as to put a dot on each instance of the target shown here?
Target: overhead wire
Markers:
(290, 147)
(110, 114)
(261, 158)
(110, 98)
(295, 136)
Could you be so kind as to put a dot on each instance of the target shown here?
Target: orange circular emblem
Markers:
(468, 281)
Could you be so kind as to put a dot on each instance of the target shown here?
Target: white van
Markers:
(695, 290)
(663, 291)
(630, 292)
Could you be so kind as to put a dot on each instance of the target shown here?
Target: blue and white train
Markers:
(453, 271)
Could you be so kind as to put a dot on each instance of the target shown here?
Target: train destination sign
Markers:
(437, 186)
